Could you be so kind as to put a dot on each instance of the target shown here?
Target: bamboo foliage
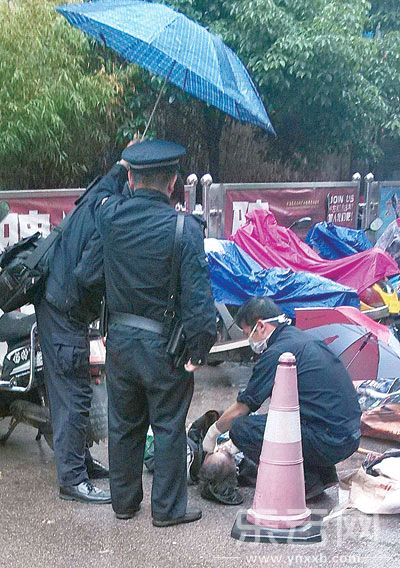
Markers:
(59, 99)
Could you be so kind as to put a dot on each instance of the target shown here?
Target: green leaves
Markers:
(327, 87)
(328, 71)
(58, 104)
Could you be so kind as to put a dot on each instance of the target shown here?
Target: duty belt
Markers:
(139, 322)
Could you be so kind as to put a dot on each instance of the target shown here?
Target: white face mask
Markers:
(261, 345)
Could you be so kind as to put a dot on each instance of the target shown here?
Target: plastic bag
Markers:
(373, 394)
(375, 493)
(149, 450)
(389, 241)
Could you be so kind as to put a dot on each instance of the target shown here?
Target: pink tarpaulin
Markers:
(272, 245)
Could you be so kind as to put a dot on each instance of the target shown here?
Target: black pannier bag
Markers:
(23, 270)
(24, 267)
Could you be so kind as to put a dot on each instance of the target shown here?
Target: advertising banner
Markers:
(41, 210)
(334, 204)
(34, 211)
(389, 205)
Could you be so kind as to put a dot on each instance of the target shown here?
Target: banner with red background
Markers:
(42, 210)
(34, 211)
(334, 204)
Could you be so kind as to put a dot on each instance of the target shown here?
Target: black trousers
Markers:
(144, 388)
(247, 433)
(65, 350)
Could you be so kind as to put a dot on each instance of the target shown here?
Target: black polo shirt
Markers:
(328, 400)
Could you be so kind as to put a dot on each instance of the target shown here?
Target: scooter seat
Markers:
(15, 326)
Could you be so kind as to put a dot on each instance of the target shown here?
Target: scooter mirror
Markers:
(302, 223)
(4, 210)
(376, 224)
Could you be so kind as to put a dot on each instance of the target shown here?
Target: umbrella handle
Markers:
(156, 103)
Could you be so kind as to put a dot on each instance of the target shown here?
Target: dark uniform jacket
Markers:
(328, 400)
(72, 286)
(138, 235)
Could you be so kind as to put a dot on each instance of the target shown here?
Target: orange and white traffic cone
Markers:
(279, 512)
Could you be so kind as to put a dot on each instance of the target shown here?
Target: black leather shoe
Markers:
(318, 489)
(328, 476)
(85, 492)
(127, 515)
(96, 470)
(314, 491)
(189, 517)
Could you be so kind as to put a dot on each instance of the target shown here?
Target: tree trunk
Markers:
(214, 121)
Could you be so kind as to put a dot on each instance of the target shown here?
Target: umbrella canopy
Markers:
(306, 318)
(363, 354)
(169, 44)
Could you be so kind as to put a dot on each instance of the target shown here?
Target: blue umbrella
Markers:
(169, 44)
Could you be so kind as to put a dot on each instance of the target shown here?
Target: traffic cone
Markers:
(279, 512)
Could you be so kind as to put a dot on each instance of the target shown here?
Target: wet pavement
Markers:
(39, 530)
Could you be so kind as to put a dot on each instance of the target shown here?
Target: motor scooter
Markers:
(23, 397)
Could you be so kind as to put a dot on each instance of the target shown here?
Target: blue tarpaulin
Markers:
(236, 277)
(333, 242)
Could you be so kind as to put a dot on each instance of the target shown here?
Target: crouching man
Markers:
(329, 409)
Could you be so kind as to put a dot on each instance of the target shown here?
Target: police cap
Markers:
(153, 154)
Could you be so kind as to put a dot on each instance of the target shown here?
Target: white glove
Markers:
(229, 448)
(210, 440)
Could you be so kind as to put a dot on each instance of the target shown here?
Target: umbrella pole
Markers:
(156, 103)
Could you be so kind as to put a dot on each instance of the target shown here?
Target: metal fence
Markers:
(382, 201)
(226, 205)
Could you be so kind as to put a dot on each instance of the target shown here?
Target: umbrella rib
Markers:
(184, 80)
(237, 109)
(367, 338)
